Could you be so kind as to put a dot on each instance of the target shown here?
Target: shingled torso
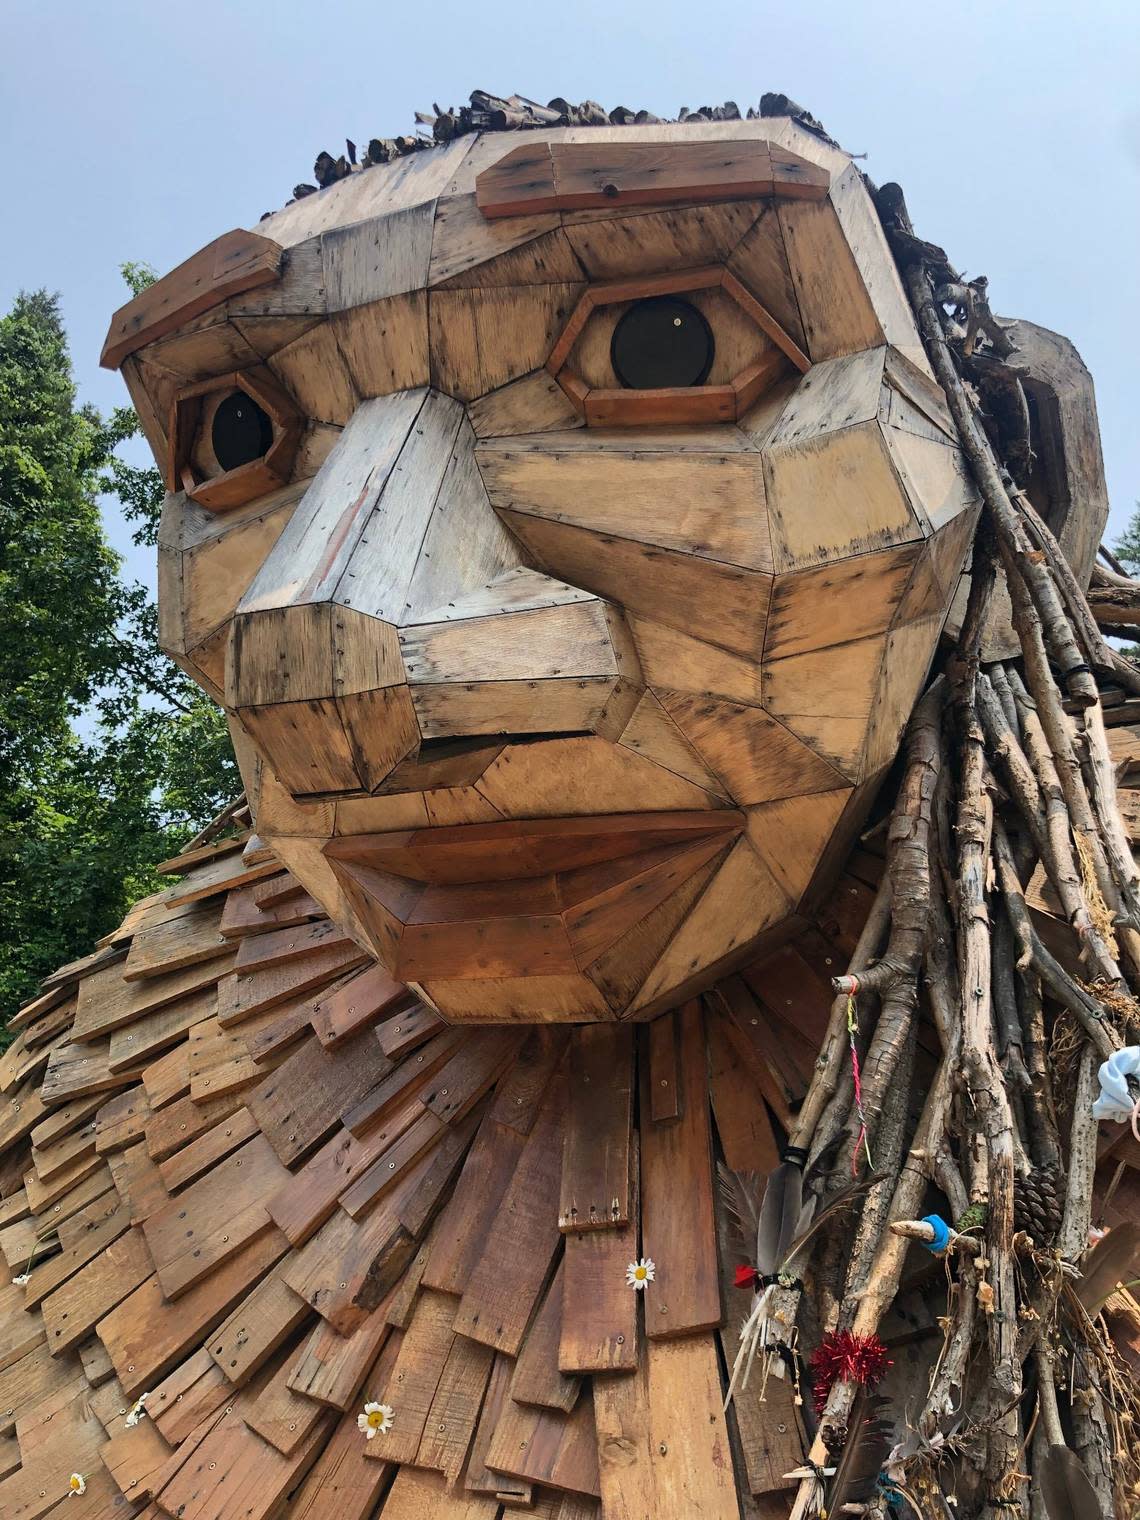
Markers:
(250, 1177)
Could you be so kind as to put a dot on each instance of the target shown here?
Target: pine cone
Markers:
(1038, 1200)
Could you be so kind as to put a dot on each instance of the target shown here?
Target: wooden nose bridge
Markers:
(394, 609)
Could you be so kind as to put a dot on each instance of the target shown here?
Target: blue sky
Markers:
(142, 130)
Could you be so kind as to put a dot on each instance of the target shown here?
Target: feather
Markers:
(864, 1452)
(841, 1201)
(1115, 1258)
(740, 1194)
(783, 1197)
(1066, 1488)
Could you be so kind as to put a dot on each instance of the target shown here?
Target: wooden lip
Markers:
(236, 262)
(521, 850)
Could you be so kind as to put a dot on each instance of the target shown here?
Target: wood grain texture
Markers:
(677, 1223)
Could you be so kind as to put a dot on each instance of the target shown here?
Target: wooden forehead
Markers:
(491, 210)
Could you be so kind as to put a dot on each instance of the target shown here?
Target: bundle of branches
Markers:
(1007, 775)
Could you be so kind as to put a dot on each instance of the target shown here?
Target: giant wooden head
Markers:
(567, 522)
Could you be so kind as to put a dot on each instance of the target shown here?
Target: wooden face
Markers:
(561, 692)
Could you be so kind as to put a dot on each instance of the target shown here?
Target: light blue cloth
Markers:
(1115, 1101)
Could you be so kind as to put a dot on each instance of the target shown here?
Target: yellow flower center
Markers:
(640, 1273)
(75, 1482)
(375, 1419)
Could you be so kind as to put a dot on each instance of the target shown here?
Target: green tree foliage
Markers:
(109, 756)
(1127, 546)
(1127, 551)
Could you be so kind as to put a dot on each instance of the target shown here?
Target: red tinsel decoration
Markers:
(842, 1357)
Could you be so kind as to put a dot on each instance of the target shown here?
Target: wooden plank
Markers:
(107, 1001)
(609, 176)
(167, 1078)
(521, 1089)
(742, 1120)
(434, 1184)
(363, 1000)
(236, 262)
(509, 1274)
(349, 1266)
(692, 1463)
(241, 997)
(393, 1164)
(537, 1378)
(74, 1309)
(216, 877)
(467, 1218)
(343, 1482)
(392, 1091)
(279, 1415)
(415, 1376)
(258, 1477)
(595, 1158)
(145, 1335)
(650, 1462)
(411, 1029)
(298, 1104)
(463, 1079)
(309, 1197)
(259, 1325)
(74, 1071)
(244, 914)
(661, 1052)
(677, 1224)
(598, 1330)
(220, 1062)
(144, 1039)
(134, 1457)
(122, 1120)
(41, 1195)
(330, 1368)
(138, 1182)
(454, 1411)
(200, 1155)
(97, 1226)
(285, 946)
(549, 1447)
(417, 1495)
(214, 1218)
(64, 1151)
(189, 1395)
(186, 940)
(184, 1121)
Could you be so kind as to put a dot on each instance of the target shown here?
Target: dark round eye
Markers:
(661, 343)
(241, 431)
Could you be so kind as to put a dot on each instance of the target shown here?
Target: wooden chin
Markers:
(530, 899)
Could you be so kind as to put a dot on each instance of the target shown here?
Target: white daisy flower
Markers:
(24, 1277)
(376, 1420)
(137, 1411)
(76, 1484)
(638, 1273)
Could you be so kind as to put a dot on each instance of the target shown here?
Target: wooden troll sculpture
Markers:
(646, 585)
